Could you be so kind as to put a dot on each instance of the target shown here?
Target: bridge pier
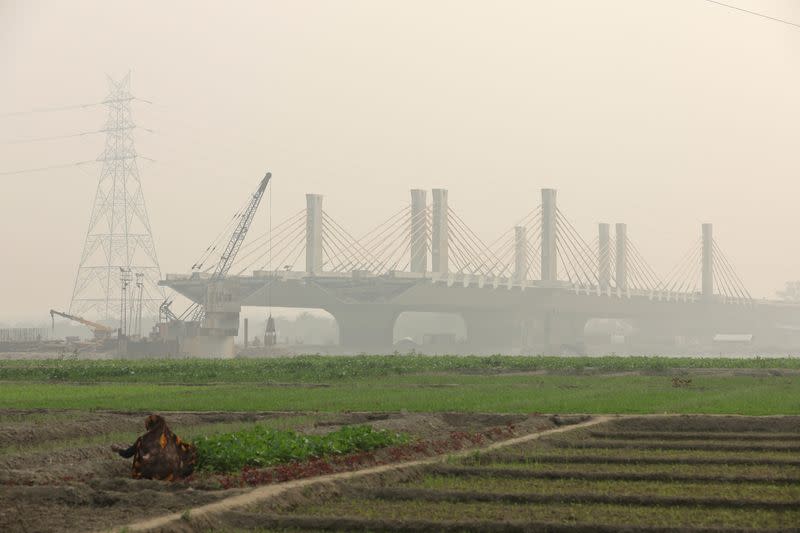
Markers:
(365, 327)
(491, 331)
(563, 333)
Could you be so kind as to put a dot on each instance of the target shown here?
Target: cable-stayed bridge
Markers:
(534, 287)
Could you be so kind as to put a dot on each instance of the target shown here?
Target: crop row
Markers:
(600, 465)
(553, 512)
(618, 474)
(562, 482)
(718, 492)
(315, 368)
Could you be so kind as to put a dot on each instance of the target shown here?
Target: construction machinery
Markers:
(211, 326)
(197, 312)
(99, 331)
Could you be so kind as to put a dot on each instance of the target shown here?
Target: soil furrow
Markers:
(684, 435)
(709, 446)
(408, 494)
(628, 460)
(245, 520)
(512, 473)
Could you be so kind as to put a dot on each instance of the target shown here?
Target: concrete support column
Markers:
(549, 236)
(313, 233)
(491, 331)
(563, 333)
(521, 263)
(419, 231)
(246, 333)
(708, 262)
(604, 256)
(365, 328)
(441, 233)
(621, 277)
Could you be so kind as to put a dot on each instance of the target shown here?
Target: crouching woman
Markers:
(159, 453)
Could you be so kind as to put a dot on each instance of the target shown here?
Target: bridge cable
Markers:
(289, 231)
(585, 253)
(794, 24)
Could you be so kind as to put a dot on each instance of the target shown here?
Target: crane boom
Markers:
(237, 238)
(196, 311)
(99, 330)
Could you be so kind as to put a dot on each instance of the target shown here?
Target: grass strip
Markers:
(629, 460)
(317, 369)
(678, 435)
(643, 489)
(753, 471)
(249, 521)
(683, 445)
(515, 473)
(474, 393)
(410, 494)
(574, 513)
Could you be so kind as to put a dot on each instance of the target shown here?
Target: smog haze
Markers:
(662, 115)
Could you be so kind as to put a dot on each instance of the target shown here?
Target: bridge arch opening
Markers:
(426, 332)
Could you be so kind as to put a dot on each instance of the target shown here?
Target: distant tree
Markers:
(791, 293)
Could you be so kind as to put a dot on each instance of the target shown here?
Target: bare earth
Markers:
(57, 472)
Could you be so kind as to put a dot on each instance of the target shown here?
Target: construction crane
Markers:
(196, 312)
(100, 331)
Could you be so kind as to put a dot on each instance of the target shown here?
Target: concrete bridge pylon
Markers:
(440, 247)
(604, 256)
(549, 266)
(314, 241)
(521, 262)
(707, 282)
(419, 231)
(621, 259)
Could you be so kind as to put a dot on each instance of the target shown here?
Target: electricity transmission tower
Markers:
(119, 235)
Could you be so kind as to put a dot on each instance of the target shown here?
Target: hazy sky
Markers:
(659, 113)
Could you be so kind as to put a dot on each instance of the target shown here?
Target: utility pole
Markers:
(124, 281)
(137, 328)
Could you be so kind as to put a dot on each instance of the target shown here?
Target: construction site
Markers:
(541, 287)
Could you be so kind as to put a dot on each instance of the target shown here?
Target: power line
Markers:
(75, 106)
(49, 109)
(68, 136)
(51, 167)
(754, 13)
(76, 164)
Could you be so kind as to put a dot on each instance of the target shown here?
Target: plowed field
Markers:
(680, 473)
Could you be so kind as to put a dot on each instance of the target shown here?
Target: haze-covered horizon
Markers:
(663, 115)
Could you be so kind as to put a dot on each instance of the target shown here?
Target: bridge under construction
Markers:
(532, 289)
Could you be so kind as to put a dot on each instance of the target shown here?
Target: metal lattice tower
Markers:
(119, 235)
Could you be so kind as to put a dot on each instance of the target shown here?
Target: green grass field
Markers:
(414, 383)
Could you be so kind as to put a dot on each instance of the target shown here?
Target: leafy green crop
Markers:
(261, 446)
